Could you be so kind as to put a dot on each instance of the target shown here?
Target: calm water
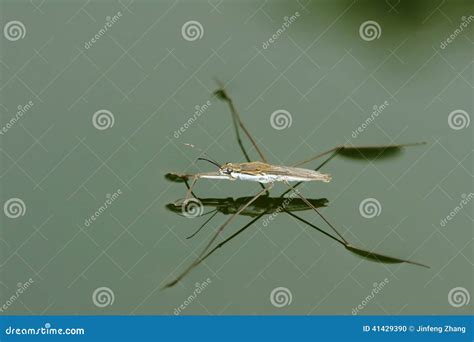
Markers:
(144, 76)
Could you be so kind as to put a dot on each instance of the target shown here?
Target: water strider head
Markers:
(224, 169)
(228, 169)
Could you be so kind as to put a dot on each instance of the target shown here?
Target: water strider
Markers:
(267, 174)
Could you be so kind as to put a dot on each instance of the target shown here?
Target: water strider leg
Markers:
(220, 244)
(360, 251)
(237, 122)
(341, 148)
(190, 188)
(371, 255)
(215, 236)
(336, 150)
(317, 212)
(202, 226)
(222, 94)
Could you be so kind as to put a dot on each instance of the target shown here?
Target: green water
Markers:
(318, 69)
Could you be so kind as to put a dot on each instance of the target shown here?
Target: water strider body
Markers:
(263, 173)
